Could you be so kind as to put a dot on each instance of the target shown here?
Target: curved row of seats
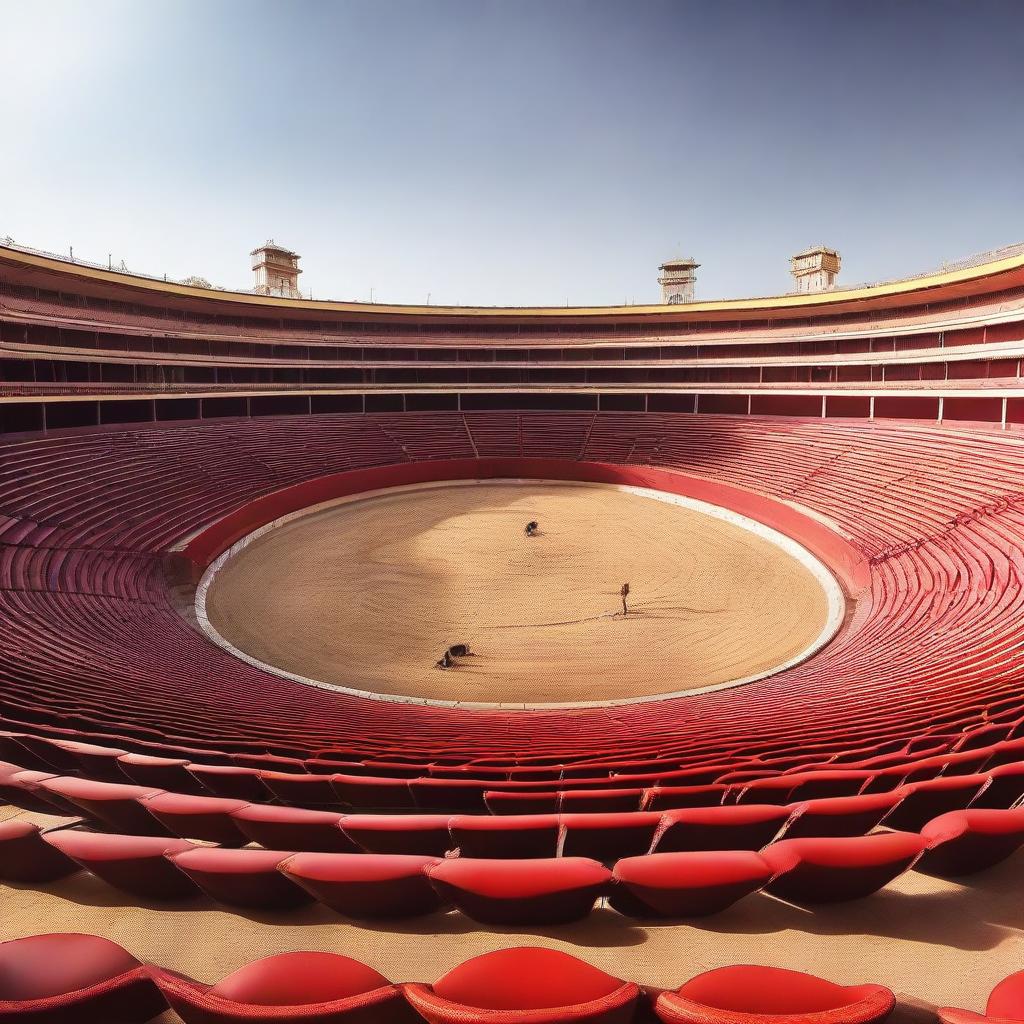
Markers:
(601, 835)
(69, 978)
(924, 778)
(511, 890)
(93, 645)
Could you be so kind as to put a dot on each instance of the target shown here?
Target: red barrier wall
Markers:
(845, 561)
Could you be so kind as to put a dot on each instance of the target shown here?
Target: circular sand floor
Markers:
(367, 593)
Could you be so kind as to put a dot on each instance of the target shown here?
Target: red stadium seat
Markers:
(964, 842)
(135, 864)
(838, 816)
(507, 803)
(745, 827)
(921, 801)
(303, 790)
(241, 878)
(1005, 1003)
(23, 788)
(71, 979)
(26, 856)
(607, 837)
(517, 836)
(754, 995)
(230, 782)
(663, 798)
(290, 988)
(293, 828)
(169, 773)
(424, 835)
(365, 885)
(118, 806)
(686, 884)
(834, 870)
(525, 985)
(599, 801)
(1006, 788)
(208, 818)
(521, 891)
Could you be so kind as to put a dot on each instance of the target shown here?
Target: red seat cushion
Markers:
(365, 885)
(769, 991)
(686, 884)
(26, 856)
(550, 891)
(40, 966)
(525, 978)
(292, 979)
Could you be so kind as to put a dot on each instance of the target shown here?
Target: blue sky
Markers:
(513, 153)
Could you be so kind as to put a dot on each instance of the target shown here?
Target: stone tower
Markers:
(815, 269)
(677, 280)
(277, 271)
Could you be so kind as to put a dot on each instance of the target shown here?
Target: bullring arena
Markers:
(368, 591)
(237, 530)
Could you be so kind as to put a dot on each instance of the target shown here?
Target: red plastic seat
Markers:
(1005, 789)
(519, 836)
(743, 827)
(502, 802)
(922, 801)
(208, 818)
(303, 790)
(525, 985)
(22, 787)
(521, 891)
(293, 828)
(838, 816)
(833, 870)
(1005, 1003)
(241, 878)
(599, 801)
(230, 782)
(117, 805)
(290, 988)
(135, 864)
(372, 792)
(753, 995)
(663, 798)
(424, 835)
(963, 842)
(73, 978)
(169, 773)
(365, 885)
(607, 837)
(25, 856)
(686, 884)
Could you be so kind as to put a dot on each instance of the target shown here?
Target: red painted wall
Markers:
(987, 409)
(845, 561)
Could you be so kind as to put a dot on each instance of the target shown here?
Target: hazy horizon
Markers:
(513, 153)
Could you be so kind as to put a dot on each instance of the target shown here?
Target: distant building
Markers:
(815, 269)
(277, 271)
(677, 280)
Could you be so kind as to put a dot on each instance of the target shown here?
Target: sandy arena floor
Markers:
(932, 942)
(369, 593)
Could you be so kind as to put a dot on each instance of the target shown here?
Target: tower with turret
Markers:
(815, 269)
(678, 279)
(277, 271)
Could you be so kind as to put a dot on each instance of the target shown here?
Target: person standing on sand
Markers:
(624, 593)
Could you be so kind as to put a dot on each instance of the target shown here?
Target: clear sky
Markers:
(513, 152)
